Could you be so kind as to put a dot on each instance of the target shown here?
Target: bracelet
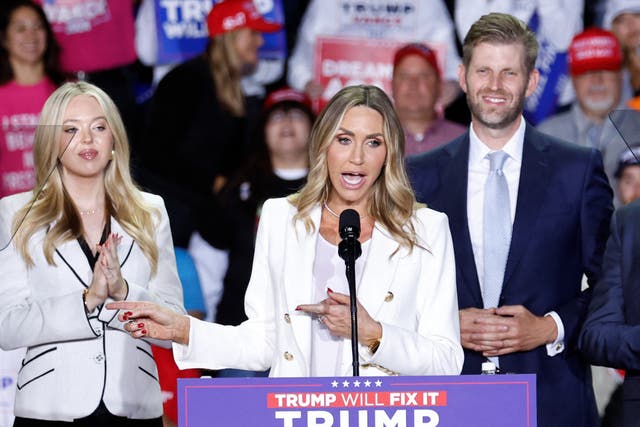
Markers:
(373, 347)
(84, 300)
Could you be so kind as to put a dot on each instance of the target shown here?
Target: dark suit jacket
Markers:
(559, 233)
(611, 334)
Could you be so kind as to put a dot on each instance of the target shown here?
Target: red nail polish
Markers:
(128, 313)
(140, 325)
(330, 290)
(143, 332)
(125, 317)
(298, 308)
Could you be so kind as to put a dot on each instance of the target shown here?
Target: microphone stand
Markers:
(349, 249)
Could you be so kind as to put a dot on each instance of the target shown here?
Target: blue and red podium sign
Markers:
(469, 400)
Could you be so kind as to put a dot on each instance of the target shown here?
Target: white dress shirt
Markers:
(477, 176)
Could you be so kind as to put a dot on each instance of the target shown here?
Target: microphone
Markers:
(349, 250)
(349, 228)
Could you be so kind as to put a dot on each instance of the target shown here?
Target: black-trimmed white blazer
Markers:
(73, 361)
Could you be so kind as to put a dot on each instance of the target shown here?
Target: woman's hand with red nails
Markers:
(146, 319)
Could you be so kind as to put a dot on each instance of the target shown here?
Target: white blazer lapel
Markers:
(299, 254)
(377, 278)
(379, 270)
(70, 256)
(126, 244)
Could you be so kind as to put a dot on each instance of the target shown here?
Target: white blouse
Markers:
(329, 272)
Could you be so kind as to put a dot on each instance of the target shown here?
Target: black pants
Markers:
(100, 418)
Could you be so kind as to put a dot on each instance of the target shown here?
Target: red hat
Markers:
(286, 95)
(594, 50)
(229, 15)
(419, 49)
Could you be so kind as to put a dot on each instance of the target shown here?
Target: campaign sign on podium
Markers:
(468, 400)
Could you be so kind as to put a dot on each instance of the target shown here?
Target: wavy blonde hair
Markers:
(226, 69)
(124, 201)
(392, 202)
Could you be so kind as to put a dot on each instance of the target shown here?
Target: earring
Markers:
(113, 153)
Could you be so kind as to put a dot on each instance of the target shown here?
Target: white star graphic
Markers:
(334, 383)
(345, 384)
(356, 383)
(367, 383)
(378, 383)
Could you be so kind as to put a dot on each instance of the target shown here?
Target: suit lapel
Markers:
(454, 204)
(534, 177)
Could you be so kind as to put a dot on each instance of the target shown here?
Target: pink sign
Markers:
(341, 62)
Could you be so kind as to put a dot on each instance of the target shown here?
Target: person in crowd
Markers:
(416, 20)
(29, 73)
(148, 47)
(609, 335)
(622, 18)
(416, 88)
(278, 168)
(554, 23)
(85, 236)
(298, 311)
(529, 216)
(196, 132)
(628, 176)
(97, 41)
(607, 382)
(595, 66)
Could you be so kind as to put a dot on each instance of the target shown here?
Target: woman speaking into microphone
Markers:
(297, 301)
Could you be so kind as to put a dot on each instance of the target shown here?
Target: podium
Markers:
(466, 400)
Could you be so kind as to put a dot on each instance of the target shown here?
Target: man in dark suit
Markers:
(529, 216)
(611, 333)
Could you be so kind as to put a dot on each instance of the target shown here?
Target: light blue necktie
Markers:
(496, 231)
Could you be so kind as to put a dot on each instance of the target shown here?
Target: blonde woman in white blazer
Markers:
(87, 238)
(297, 301)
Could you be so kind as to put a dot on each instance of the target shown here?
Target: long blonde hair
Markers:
(393, 201)
(227, 72)
(53, 204)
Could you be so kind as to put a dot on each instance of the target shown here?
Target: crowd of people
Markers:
(199, 203)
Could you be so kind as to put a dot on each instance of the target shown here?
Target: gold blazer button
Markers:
(288, 356)
(388, 297)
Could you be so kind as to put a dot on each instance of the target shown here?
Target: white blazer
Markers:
(412, 295)
(74, 360)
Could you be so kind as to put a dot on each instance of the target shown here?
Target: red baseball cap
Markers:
(286, 95)
(229, 15)
(422, 50)
(594, 49)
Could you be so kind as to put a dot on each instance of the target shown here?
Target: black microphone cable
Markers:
(41, 188)
(617, 125)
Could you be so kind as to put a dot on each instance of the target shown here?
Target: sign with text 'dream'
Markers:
(341, 61)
